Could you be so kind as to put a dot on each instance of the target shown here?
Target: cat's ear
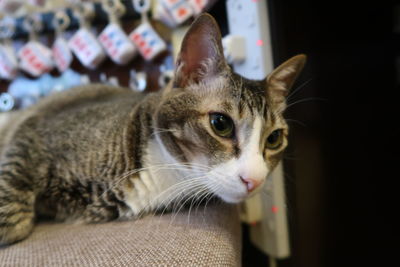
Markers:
(281, 80)
(201, 56)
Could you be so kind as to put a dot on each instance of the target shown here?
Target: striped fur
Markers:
(99, 153)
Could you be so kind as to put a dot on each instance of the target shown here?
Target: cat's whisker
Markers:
(200, 199)
(172, 166)
(296, 121)
(181, 198)
(212, 188)
(195, 198)
(183, 204)
(305, 100)
(182, 186)
(294, 91)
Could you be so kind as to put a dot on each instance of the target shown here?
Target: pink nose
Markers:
(250, 183)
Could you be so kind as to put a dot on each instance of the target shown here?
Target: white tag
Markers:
(117, 45)
(8, 62)
(35, 58)
(61, 54)
(180, 10)
(198, 5)
(10, 6)
(86, 48)
(147, 41)
(37, 2)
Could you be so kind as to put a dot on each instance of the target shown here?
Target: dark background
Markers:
(342, 164)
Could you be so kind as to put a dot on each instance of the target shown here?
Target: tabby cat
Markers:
(99, 153)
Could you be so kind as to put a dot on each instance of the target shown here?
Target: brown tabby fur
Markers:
(64, 157)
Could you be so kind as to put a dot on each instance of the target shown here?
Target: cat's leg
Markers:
(16, 205)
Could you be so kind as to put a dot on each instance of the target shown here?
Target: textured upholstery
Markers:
(209, 237)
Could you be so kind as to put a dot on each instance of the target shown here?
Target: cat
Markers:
(98, 153)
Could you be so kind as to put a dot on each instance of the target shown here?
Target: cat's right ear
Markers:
(281, 80)
(201, 56)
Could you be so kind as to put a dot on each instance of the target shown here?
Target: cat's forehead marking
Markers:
(250, 95)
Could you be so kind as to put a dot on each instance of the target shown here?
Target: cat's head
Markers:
(230, 129)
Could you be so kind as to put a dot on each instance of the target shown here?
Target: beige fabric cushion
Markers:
(209, 237)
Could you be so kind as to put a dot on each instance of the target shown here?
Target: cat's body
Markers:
(99, 153)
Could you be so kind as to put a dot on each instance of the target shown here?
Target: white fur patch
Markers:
(226, 176)
(154, 188)
(164, 179)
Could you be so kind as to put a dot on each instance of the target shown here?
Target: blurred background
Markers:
(341, 168)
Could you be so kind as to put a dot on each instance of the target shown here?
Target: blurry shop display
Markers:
(50, 46)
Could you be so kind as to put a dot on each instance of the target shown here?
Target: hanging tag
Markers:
(147, 40)
(117, 45)
(113, 39)
(37, 2)
(144, 36)
(10, 6)
(180, 10)
(161, 14)
(198, 5)
(85, 46)
(61, 53)
(8, 59)
(35, 58)
(8, 62)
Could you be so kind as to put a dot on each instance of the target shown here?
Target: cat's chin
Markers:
(232, 199)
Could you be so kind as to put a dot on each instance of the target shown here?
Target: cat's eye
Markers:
(222, 125)
(275, 139)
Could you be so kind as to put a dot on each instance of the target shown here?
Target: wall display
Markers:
(62, 54)
(113, 38)
(34, 57)
(144, 36)
(8, 59)
(84, 43)
(44, 38)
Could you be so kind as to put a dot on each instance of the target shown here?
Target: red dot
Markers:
(182, 12)
(136, 37)
(260, 42)
(274, 209)
(142, 43)
(147, 52)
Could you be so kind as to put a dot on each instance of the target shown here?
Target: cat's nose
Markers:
(250, 183)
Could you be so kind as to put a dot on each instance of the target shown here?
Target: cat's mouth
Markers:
(239, 193)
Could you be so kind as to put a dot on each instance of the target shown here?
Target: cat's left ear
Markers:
(201, 56)
(281, 80)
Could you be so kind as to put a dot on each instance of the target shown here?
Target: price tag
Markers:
(8, 62)
(35, 58)
(37, 2)
(180, 10)
(117, 45)
(198, 5)
(147, 41)
(61, 54)
(10, 6)
(86, 48)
